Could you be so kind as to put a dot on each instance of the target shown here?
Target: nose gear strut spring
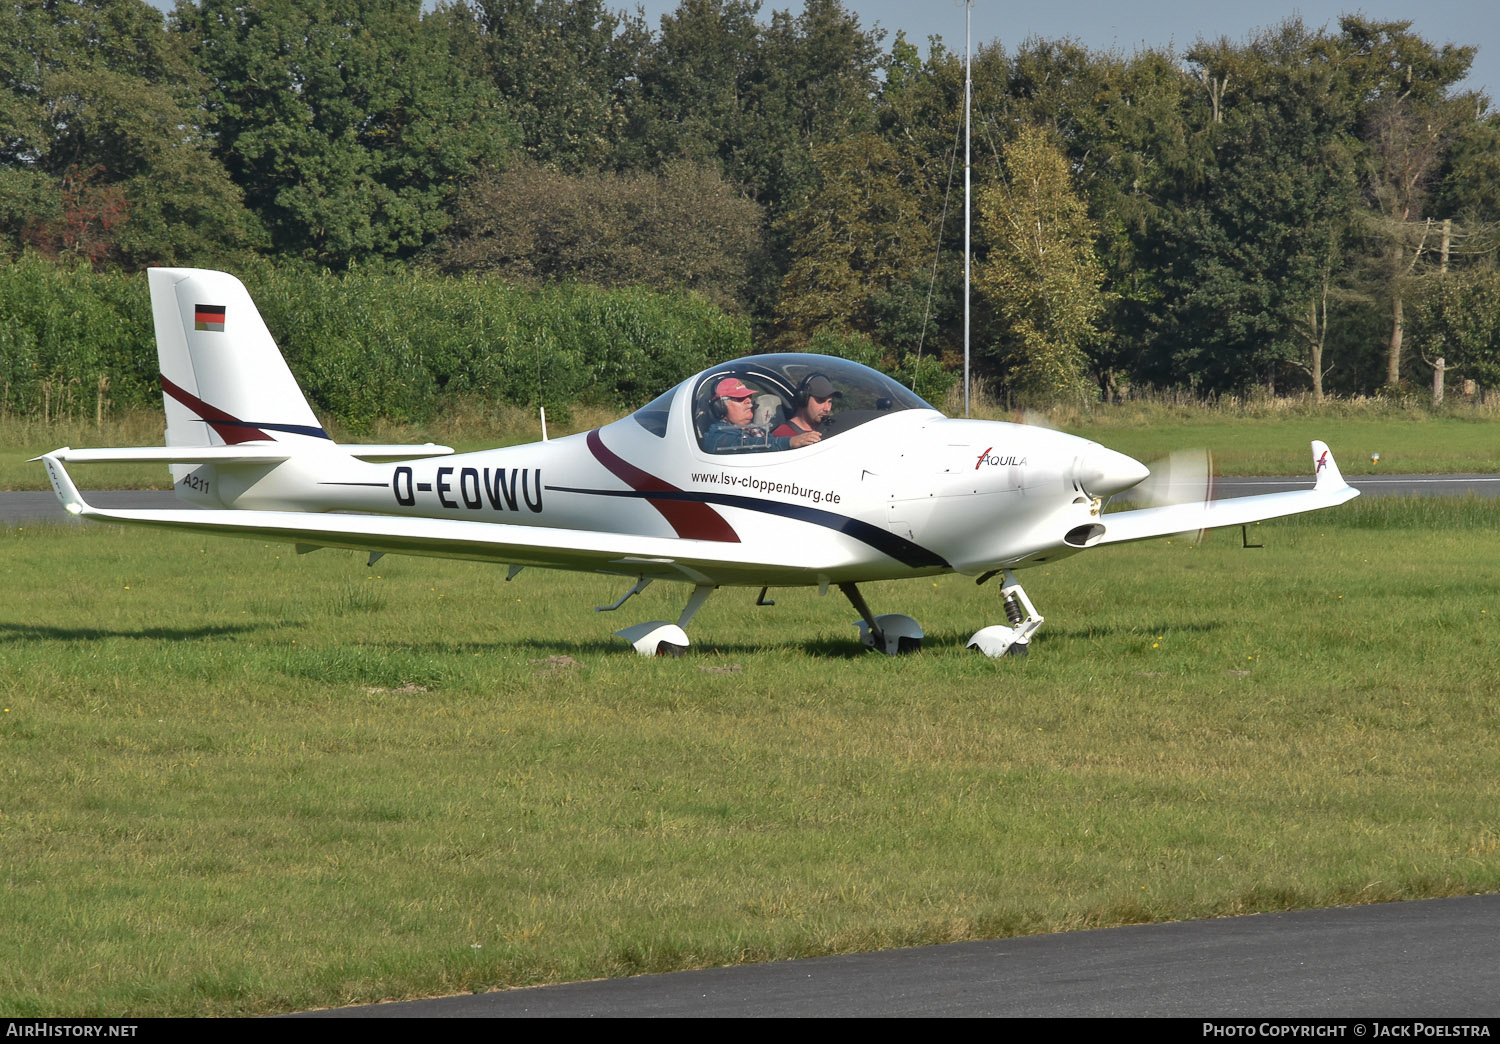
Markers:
(1013, 611)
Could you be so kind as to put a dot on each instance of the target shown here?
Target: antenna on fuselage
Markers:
(543, 411)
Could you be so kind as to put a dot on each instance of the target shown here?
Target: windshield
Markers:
(779, 387)
(653, 415)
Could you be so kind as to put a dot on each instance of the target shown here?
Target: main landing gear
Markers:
(890, 633)
(658, 637)
(1015, 639)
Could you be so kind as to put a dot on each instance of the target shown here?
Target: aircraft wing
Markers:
(1329, 490)
(624, 554)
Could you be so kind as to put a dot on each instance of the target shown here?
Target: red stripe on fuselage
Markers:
(689, 519)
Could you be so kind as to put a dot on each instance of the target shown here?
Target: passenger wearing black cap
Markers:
(814, 403)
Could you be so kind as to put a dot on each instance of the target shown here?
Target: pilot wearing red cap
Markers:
(733, 409)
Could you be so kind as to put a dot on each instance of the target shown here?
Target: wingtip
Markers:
(1325, 468)
(63, 485)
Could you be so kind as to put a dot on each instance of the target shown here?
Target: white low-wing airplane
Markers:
(893, 489)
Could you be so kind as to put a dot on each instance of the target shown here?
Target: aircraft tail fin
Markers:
(234, 410)
(224, 382)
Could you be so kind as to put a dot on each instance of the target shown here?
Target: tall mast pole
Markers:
(968, 88)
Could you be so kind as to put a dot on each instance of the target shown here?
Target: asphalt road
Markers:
(24, 507)
(1438, 958)
(1371, 485)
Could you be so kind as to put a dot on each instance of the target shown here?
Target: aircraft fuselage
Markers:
(913, 493)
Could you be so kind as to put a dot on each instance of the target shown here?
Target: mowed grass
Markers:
(239, 780)
(1414, 445)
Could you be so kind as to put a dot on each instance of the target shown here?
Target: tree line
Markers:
(1304, 210)
(365, 344)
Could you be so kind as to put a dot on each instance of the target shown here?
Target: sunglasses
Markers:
(742, 399)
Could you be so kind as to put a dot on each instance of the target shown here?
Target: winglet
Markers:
(62, 484)
(1325, 470)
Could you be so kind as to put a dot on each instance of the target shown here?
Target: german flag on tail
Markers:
(208, 317)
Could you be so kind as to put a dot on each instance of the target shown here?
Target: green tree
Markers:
(348, 124)
(105, 154)
(1469, 184)
(859, 240)
(1042, 276)
(684, 228)
(1410, 121)
(1123, 125)
(694, 79)
(718, 87)
(920, 113)
(1406, 144)
(1459, 319)
(817, 80)
(566, 70)
(1251, 244)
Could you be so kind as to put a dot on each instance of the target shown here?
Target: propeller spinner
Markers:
(1103, 472)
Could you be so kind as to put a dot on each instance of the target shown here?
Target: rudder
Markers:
(224, 382)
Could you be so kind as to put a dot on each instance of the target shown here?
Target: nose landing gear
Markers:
(1013, 639)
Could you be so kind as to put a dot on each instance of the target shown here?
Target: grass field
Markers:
(238, 780)
(1265, 440)
(1443, 445)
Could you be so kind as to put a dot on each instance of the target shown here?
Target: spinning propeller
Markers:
(1181, 477)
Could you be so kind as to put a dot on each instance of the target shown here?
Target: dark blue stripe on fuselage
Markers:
(902, 550)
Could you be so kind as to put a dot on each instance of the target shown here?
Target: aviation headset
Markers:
(804, 391)
(716, 408)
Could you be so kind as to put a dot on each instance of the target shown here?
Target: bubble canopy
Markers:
(861, 394)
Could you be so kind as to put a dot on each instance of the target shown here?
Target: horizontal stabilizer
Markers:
(1329, 490)
(242, 453)
(381, 453)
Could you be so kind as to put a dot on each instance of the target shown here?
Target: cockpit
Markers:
(776, 385)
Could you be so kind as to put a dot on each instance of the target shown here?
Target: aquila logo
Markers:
(1322, 460)
(997, 462)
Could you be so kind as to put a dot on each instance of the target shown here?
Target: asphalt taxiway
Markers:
(1435, 958)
